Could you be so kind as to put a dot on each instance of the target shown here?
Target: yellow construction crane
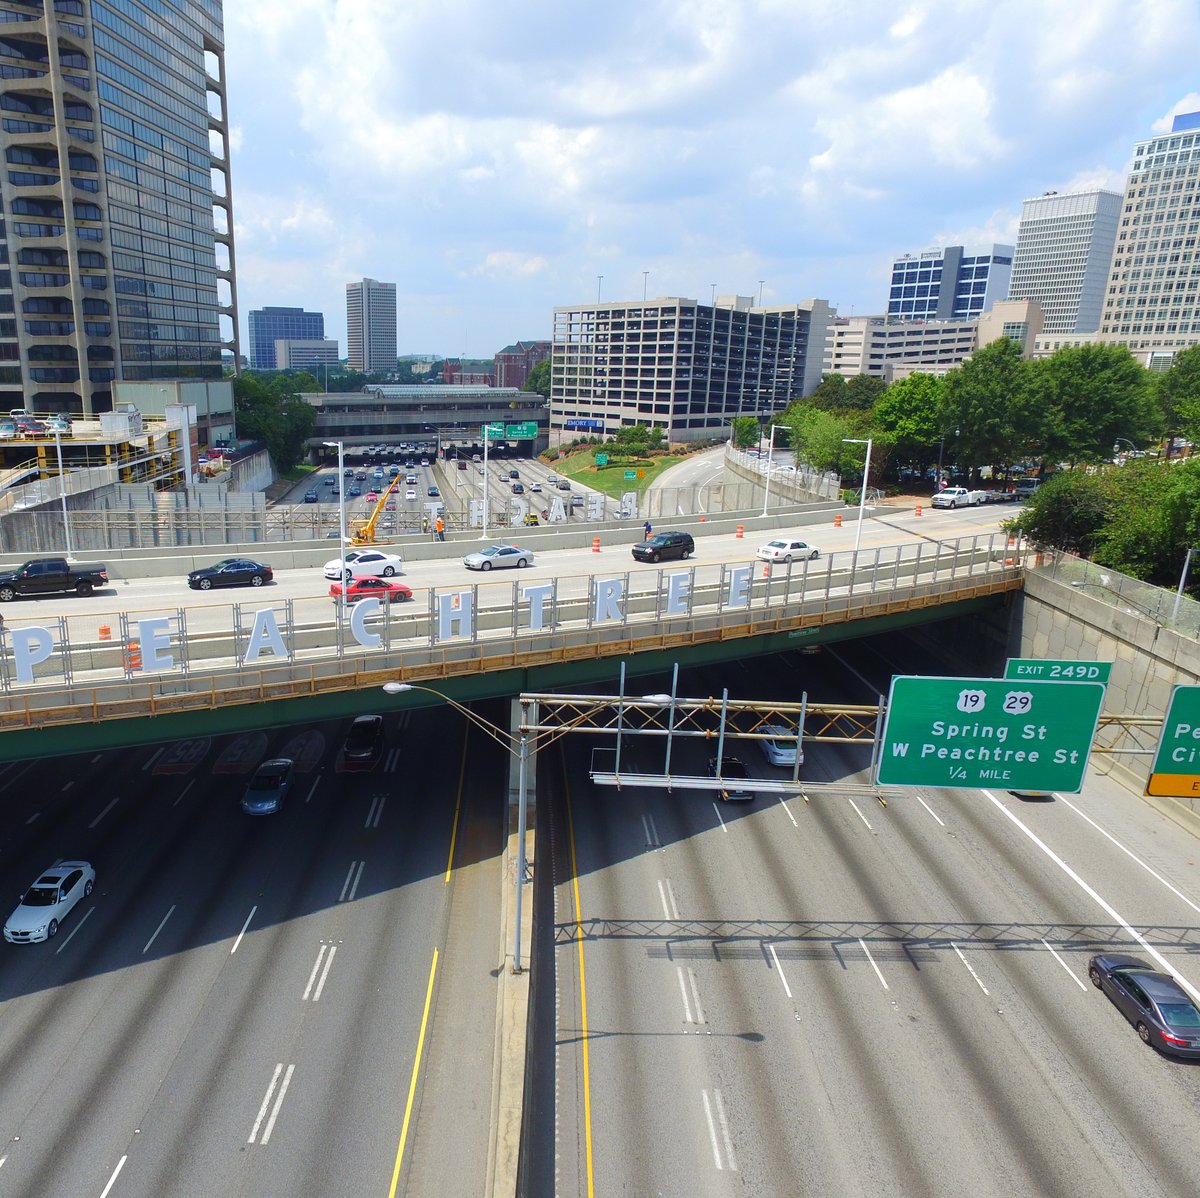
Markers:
(364, 534)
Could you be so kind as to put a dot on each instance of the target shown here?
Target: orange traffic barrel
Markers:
(918, 509)
(741, 529)
(104, 632)
(595, 544)
(837, 520)
(133, 656)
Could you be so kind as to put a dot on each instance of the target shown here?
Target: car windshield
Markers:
(40, 896)
(267, 779)
(776, 544)
(1180, 1014)
(492, 550)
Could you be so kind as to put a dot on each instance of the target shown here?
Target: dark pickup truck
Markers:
(51, 575)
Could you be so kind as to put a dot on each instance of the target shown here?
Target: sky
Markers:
(497, 159)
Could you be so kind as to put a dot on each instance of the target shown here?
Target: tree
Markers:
(818, 437)
(908, 411)
(638, 438)
(746, 432)
(275, 414)
(1068, 511)
(539, 379)
(829, 395)
(862, 392)
(1178, 393)
(1089, 396)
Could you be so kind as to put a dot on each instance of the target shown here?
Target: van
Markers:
(1025, 488)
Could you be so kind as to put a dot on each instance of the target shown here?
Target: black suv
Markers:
(664, 545)
(734, 777)
(363, 742)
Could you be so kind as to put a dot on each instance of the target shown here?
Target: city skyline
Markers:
(495, 164)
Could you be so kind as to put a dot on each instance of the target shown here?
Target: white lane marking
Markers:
(32, 818)
(860, 814)
(712, 1130)
(667, 896)
(929, 809)
(1129, 853)
(1092, 893)
(266, 1102)
(350, 885)
(115, 1174)
(375, 812)
(393, 761)
(863, 946)
(687, 1006)
(243, 931)
(729, 1156)
(696, 996)
(720, 818)
(86, 917)
(312, 790)
(184, 791)
(651, 830)
(312, 977)
(779, 970)
(104, 813)
(783, 804)
(1070, 971)
(154, 757)
(969, 969)
(158, 929)
(67, 786)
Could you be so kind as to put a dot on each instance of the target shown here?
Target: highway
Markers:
(240, 1006)
(830, 997)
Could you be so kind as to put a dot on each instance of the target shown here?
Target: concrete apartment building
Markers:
(118, 249)
(1064, 250)
(371, 326)
(269, 325)
(683, 366)
(949, 283)
(313, 356)
(514, 362)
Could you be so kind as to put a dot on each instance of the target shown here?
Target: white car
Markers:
(48, 901)
(784, 549)
(365, 563)
(497, 557)
(536, 488)
(411, 493)
(781, 750)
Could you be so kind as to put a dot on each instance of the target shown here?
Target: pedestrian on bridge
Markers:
(648, 529)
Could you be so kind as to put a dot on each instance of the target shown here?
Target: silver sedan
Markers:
(497, 557)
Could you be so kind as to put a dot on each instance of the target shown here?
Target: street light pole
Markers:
(862, 500)
(1187, 561)
(341, 490)
(770, 457)
(486, 438)
(62, 491)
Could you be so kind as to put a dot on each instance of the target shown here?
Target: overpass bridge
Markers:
(174, 672)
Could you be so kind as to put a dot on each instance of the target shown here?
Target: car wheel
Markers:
(522, 563)
(953, 505)
(1094, 975)
(205, 584)
(257, 580)
(486, 566)
(654, 557)
(349, 577)
(812, 557)
(52, 929)
(87, 887)
(7, 594)
(787, 559)
(84, 588)
(388, 571)
(1142, 1030)
(403, 598)
(685, 555)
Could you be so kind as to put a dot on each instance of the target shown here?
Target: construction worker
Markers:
(441, 529)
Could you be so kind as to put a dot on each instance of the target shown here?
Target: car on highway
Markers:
(514, 474)
(363, 743)
(433, 492)
(786, 549)
(536, 488)
(311, 496)
(328, 480)
(365, 563)
(43, 907)
(518, 489)
(410, 493)
(269, 786)
(387, 590)
(955, 497)
(781, 750)
(563, 484)
(1159, 1008)
(230, 572)
(360, 476)
(664, 545)
(498, 557)
(355, 490)
(372, 497)
(734, 786)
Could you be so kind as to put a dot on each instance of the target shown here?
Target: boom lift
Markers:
(364, 534)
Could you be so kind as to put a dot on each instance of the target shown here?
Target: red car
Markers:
(387, 589)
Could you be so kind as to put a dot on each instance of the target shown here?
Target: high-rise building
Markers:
(1153, 297)
(268, 325)
(313, 356)
(371, 326)
(685, 367)
(117, 246)
(1064, 250)
(948, 283)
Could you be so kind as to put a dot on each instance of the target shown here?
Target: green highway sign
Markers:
(1058, 671)
(630, 476)
(1176, 769)
(601, 459)
(964, 733)
(492, 432)
(522, 432)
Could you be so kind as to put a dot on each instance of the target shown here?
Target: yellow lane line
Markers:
(583, 1020)
(462, 773)
(412, 1085)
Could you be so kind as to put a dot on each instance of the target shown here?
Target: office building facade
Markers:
(117, 246)
(1064, 251)
(685, 367)
(949, 283)
(313, 356)
(268, 325)
(371, 326)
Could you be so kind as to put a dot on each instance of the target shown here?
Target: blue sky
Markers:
(493, 158)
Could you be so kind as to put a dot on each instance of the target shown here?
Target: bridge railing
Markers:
(173, 658)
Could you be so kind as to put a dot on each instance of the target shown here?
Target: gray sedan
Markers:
(497, 557)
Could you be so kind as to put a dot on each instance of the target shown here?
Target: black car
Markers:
(735, 787)
(311, 496)
(232, 572)
(363, 742)
(663, 546)
(1155, 1003)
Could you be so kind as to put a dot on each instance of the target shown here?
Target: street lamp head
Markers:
(661, 700)
(396, 688)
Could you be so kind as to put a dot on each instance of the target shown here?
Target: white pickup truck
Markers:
(953, 497)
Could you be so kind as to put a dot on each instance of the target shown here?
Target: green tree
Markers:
(863, 392)
(746, 431)
(274, 413)
(638, 438)
(1178, 393)
(908, 411)
(1090, 395)
(829, 395)
(818, 437)
(1069, 511)
(539, 379)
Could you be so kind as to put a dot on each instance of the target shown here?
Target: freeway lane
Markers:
(835, 998)
(237, 1008)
